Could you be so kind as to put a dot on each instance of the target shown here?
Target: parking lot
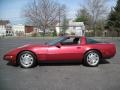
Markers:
(58, 76)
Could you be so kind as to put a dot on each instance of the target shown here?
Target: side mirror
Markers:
(58, 45)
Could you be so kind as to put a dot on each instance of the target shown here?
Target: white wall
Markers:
(57, 30)
(74, 27)
(78, 30)
(2, 30)
(18, 29)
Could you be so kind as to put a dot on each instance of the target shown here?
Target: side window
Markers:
(71, 41)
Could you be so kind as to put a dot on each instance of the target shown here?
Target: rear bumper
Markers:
(110, 51)
(109, 55)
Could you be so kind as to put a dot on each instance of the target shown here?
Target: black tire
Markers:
(27, 59)
(92, 58)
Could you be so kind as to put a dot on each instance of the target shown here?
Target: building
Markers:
(19, 30)
(5, 28)
(2, 30)
(74, 28)
(29, 29)
(9, 31)
(22, 30)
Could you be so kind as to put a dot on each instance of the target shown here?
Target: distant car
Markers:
(65, 48)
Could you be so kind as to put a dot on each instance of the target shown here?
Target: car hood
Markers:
(32, 45)
(24, 47)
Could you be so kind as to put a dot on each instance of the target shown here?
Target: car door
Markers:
(67, 51)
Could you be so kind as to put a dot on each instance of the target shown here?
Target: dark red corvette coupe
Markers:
(66, 48)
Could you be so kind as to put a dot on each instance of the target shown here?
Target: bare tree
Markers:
(97, 10)
(43, 13)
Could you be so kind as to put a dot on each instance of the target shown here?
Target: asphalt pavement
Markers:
(58, 76)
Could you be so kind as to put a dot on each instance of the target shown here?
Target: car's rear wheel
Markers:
(92, 58)
(27, 59)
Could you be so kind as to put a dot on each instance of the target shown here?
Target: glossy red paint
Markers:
(59, 52)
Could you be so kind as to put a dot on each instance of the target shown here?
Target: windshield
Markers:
(55, 41)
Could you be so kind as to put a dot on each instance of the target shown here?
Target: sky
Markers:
(12, 9)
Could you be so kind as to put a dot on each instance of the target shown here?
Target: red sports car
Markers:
(66, 48)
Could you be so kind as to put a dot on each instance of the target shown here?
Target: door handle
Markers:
(78, 47)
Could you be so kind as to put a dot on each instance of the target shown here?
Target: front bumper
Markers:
(10, 58)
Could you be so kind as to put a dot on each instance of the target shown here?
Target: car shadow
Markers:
(104, 61)
(54, 63)
(59, 63)
(11, 64)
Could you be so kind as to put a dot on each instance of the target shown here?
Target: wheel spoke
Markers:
(93, 58)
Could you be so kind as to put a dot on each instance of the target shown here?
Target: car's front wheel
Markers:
(27, 59)
(92, 58)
